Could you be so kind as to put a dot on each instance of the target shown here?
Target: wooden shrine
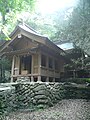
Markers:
(33, 56)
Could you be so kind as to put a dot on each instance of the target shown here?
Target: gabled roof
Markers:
(25, 28)
(33, 35)
(61, 42)
(64, 44)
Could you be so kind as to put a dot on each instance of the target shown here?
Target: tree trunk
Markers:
(3, 19)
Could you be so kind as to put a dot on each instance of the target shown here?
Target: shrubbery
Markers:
(77, 80)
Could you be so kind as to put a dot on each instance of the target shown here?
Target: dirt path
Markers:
(78, 109)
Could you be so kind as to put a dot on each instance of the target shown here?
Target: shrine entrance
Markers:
(25, 64)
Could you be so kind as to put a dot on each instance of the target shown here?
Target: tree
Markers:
(9, 10)
(43, 24)
(60, 24)
(79, 63)
(77, 29)
(5, 65)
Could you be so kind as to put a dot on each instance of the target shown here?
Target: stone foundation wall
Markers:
(36, 95)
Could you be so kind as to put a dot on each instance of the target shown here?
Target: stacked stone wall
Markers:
(37, 95)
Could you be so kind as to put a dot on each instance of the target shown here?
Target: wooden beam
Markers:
(39, 66)
(34, 37)
(12, 70)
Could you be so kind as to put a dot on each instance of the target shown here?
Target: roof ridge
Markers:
(30, 28)
(25, 25)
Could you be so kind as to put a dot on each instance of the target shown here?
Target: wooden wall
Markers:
(45, 61)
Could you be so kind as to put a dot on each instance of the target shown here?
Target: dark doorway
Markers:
(26, 63)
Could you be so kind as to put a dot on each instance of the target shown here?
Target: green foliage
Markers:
(9, 11)
(5, 65)
(20, 11)
(15, 5)
(44, 25)
(60, 25)
(76, 55)
(77, 80)
(78, 26)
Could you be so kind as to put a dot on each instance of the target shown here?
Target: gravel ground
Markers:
(72, 109)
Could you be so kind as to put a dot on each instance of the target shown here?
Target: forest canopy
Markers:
(69, 24)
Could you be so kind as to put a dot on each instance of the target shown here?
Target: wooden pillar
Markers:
(32, 79)
(54, 79)
(32, 65)
(47, 79)
(47, 62)
(39, 68)
(47, 65)
(18, 64)
(54, 70)
(12, 70)
(39, 78)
